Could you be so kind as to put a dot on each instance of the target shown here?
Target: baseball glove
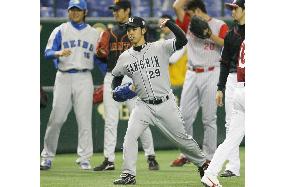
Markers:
(199, 27)
(43, 98)
(123, 93)
(98, 95)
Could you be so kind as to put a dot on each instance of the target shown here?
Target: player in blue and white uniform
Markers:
(72, 46)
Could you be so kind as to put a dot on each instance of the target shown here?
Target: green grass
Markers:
(65, 173)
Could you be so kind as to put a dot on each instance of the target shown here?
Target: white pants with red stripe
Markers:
(199, 90)
(234, 136)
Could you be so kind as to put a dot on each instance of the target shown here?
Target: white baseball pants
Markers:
(235, 134)
(234, 157)
(199, 90)
(71, 89)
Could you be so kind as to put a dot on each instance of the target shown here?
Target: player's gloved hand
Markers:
(123, 93)
(219, 98)
(200, 28)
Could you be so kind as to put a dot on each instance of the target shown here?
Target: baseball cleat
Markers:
(125, 179)
(203, 168)
(153, 164)
(228, 173)
(45, 164)
(106, 165)
(85, 165)
(179, 162)
(210, 181)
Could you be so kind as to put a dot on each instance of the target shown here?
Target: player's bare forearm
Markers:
(178, 7)
(62, 53)
(50, 54)
(217, 39)
(219, 98)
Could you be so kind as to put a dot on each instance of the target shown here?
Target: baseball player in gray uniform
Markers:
(111, 44)
(147, 64)
(202, 77)
(72, 45)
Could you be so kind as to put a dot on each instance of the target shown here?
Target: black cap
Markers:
(235, 4)
(119, 4)
(136, 22)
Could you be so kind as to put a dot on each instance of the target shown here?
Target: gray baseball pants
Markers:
(167, 117)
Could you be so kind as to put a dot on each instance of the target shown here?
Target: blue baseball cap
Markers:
(81, 4)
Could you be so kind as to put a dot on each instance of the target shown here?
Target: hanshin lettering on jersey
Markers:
(147, 63)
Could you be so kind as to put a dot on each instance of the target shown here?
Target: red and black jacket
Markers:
(111, 44)
(230, 53)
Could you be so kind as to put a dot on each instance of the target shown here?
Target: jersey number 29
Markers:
(154, 74)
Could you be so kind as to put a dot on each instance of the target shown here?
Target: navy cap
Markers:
(81, 4)
(119, 4)
(136, 22)
(235, 4)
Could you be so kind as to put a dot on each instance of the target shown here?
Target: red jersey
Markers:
(184, 24)
(241, 64)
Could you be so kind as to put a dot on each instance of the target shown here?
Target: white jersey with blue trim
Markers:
(148, 68)
(82, 44)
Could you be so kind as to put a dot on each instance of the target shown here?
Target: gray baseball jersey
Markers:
(148, 68)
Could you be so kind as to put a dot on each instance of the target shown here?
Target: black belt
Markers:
(156, 101)
(233, 70)
(74, 70)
